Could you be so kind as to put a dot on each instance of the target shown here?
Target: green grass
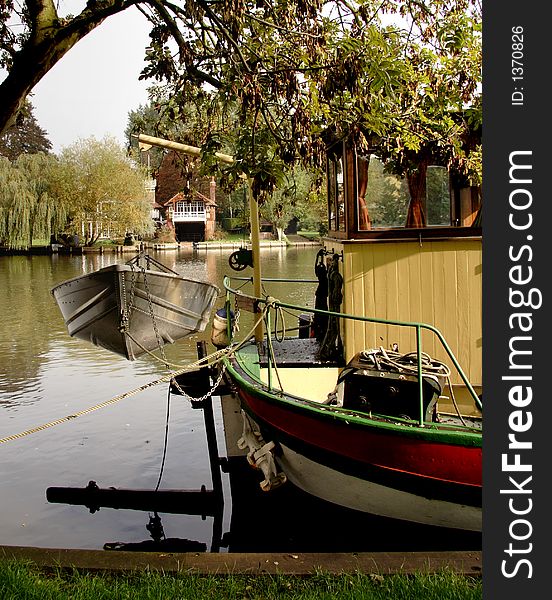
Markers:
(23, 581)
(311, 235)
(105, 242)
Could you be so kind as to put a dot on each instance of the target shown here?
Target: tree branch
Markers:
(169, 21)
(49, 40)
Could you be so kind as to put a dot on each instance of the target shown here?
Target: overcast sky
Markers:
(93, 87)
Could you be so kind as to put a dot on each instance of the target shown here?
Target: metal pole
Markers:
(420, 379)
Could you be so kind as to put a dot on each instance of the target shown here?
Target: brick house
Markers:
(184, 201)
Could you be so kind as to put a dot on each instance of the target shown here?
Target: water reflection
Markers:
(286, 520)
(45, 375)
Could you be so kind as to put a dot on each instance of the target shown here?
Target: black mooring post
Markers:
(210, 429)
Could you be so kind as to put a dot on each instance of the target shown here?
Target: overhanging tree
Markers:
(292, 73)
(291, 69)
(43, 37)
(35, 35)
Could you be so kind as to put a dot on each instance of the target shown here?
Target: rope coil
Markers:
(405, 362)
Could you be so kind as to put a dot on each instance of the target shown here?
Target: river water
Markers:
(46, 375)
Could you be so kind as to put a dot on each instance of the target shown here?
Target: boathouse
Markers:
(192, 215)
(184, 201)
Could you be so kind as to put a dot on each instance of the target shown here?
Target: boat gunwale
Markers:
(418, 326)
(122, 267)
(436, 432)
(448, 490)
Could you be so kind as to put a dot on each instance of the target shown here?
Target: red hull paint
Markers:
(442, 461)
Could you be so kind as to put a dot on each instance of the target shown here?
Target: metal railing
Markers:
(269, 302)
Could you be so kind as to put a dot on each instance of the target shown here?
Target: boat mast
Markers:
(146, 141)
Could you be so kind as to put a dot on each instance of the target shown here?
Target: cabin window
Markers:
(385, 196)
(363, 214)
(437, 196)
(383, 199)
(336, 195)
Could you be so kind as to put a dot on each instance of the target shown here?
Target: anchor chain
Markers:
(127, 306)
(153, 319)
(207, 394)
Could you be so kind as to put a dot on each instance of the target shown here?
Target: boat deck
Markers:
(298, 370)
(297, 352)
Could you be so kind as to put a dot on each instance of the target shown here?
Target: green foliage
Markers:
(296, 197)
(164, 235)
(232, 223)
(268, 82)
(91, 183)
(24, 137)
(404, 76)
(387, 197)
(289, 73)
(438, 196)
(103, 189)
(29, 208)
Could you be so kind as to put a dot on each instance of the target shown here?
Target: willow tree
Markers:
(102, 189)
(29, 209)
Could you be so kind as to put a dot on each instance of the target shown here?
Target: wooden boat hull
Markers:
(112, 308)
(425, 475)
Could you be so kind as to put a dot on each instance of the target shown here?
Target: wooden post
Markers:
(210, 431)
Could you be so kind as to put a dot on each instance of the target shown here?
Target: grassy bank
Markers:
(24, 581)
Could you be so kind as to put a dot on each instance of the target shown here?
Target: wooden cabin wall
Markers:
(438, 282)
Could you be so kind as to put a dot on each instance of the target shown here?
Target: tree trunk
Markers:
(417, 188)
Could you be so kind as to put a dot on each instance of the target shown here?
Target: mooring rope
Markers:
(215, 358)
(87, 410)
(272, 302)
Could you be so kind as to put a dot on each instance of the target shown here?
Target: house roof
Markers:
(195, 195)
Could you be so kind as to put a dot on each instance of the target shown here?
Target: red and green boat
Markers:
(336, 408)
(366, 405)
(365, 435)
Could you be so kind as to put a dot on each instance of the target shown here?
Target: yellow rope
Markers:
(217, 356)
